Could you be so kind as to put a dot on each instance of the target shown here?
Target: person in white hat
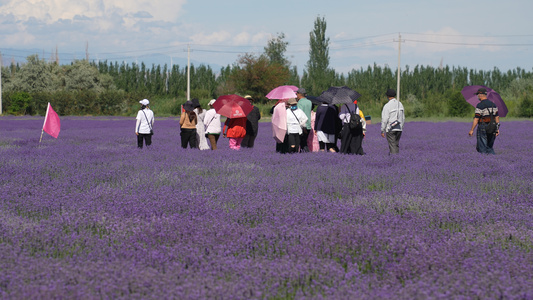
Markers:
(144, 125)
(213, 127)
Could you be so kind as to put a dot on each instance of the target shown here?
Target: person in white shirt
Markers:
(296, 120)
(145, 121)
(201, 140)
(392, 121)
(213, 127)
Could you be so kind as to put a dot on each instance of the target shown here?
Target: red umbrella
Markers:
(232, 106)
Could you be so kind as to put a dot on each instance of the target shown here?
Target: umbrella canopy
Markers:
(339, 95)
(314, 100)
(279, 122)
(283, 92)
(232, 106)
(469, 93)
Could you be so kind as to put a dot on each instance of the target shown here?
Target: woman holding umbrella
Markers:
(235, 108)
(235, 130)
(325, 126)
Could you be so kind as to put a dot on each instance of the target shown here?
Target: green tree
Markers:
(318, 76)
(35, 76)
(254, 75)
(83, 76)
(457, 105)
(275, 50)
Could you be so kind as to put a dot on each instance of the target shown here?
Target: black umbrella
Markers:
(339, 95)
(313, 100)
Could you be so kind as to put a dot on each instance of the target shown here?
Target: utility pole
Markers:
(188, 72)
(399, 65)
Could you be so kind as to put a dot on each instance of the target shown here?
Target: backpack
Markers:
(355, 120)
(492, 126)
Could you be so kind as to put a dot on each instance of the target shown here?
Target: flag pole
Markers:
(45, 117)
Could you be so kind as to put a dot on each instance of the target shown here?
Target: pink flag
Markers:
(52, 126)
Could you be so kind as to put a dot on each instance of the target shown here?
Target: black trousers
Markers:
(303, 140)
(248, 141)
(146, 137)
(188, 137)
(294, 142)
(351, 141)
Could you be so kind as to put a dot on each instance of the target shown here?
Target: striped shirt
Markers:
(483, 110)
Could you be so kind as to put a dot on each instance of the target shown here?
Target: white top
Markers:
(212, 122)
(392, 111)
(296, 119)
(142, 125)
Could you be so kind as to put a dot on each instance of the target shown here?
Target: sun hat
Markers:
(481, 91)
(212, 102)
(144, 102)
(195, 102)
(292, 101)
(188, 106)
(391, 93)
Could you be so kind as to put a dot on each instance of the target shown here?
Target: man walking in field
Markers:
(392, 120)
(484, 109)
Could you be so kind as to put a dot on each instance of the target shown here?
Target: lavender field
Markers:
(90, 216)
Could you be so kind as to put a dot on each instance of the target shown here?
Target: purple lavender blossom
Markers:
(91, 216)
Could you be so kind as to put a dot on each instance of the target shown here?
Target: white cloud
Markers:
(50, 11)
(241, 39)
(210, 39)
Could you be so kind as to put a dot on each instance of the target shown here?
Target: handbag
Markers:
(149, 124)
(492, 126)
(396, 124)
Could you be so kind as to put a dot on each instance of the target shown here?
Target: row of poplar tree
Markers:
(110, 88)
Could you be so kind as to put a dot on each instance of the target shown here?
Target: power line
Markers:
(468, 44)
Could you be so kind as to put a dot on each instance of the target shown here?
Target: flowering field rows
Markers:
(90, 216)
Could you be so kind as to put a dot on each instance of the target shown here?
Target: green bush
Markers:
(457, 105)
(20, 102)
(525, 107)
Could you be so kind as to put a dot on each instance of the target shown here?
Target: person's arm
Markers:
(384, 119)
(137, 125)
(182, 118)
(474, 124)
(497, 118)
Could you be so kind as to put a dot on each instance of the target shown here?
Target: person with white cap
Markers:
(145, 121)
(213, 126)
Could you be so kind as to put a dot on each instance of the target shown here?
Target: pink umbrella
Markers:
(232, 106)
(279, 122)
(283, 92)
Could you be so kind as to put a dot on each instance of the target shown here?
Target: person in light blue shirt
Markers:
(392, 121)
(306, 106)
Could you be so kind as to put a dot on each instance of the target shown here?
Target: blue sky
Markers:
(474, 34)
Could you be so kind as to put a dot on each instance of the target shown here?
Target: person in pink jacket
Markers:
(235, 130)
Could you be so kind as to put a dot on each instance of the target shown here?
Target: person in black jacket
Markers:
(327, 127)
(252, 125)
